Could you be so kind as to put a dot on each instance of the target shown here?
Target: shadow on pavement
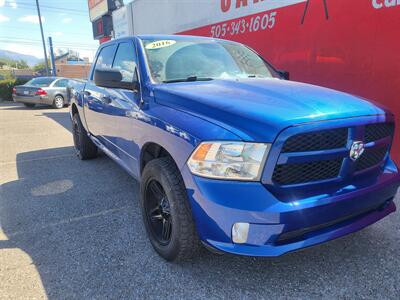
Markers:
(80, 223)
(61, 118)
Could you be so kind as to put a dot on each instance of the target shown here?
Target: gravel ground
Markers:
(73, 230)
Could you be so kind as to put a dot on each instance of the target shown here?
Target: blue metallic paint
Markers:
(179, 116)
(258, 109)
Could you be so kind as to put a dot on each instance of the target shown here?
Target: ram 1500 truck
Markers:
(228, 152)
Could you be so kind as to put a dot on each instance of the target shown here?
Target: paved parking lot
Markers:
(72, 230)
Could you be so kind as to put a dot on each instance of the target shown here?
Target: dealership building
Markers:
(348, 45)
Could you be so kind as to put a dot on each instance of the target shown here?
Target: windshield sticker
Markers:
(160, 44)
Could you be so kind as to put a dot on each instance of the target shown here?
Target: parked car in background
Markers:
(230, 153)
(74, 85)
(42, 90)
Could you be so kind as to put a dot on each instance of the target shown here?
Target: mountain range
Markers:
(30, 59)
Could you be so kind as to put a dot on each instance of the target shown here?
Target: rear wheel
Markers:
(84, 147)
(30, 105)
(58, 102)
(166, 212)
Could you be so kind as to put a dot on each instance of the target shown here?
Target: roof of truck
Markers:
(171, 36)
(162, 37)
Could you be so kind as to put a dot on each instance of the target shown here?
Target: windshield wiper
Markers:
(189, 79)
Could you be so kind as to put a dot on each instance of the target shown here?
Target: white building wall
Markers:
(174, 16)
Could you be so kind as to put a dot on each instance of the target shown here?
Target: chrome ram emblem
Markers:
(356, 150)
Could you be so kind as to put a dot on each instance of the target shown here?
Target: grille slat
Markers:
(315, 141)
(307, 172)
(371, 158)
(375, 132)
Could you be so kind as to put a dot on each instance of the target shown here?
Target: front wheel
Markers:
(58, 102)
(166, 212)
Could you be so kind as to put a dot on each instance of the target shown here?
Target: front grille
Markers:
(315, 141)
(375, 132)
(294, 168)
(306, 172)
(371, 158)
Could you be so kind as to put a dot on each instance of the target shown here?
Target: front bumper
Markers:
(278, 227)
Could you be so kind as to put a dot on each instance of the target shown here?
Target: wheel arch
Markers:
(74, 109)
(151, 151)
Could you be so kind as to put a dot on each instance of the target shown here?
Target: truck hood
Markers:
(259, 109)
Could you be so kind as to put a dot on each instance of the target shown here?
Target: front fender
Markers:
(180, 133)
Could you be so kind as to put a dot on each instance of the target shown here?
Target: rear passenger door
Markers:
(96, 99)
(60, 87)
(123, 106)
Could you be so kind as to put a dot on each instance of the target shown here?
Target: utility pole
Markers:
(44, 42)
(53, 63)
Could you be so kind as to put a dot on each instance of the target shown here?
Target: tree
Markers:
(40, 66)
(21, 64)
(12, 63)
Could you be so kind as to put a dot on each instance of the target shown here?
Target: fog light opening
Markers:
(240, 232)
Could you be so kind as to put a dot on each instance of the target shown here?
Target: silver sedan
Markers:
(42, 90)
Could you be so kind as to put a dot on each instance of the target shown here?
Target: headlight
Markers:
(229, 160)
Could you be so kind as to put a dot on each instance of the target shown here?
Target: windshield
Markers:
(190, 60)
(40, 82)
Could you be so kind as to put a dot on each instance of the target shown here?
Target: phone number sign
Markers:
(244, 25)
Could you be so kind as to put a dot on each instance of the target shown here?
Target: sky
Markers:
(67, 21)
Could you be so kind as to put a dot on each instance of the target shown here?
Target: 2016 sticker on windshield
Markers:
(160, 44)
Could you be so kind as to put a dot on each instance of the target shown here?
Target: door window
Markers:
(106, 57)
(61, 83)
(125, 62)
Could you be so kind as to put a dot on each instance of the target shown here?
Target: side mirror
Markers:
(284, 74)
(111, 78)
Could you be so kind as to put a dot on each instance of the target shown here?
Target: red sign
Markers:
(351, 46)
(97, 8)
(93, 3)
(102, 27)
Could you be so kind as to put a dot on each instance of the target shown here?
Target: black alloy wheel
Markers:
(166, 211)
(158, 212)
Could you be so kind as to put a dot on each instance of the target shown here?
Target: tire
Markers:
(58, 102)
(182, 242)
(30, 105)
(84, 147)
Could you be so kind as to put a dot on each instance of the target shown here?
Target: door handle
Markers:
(86, 93)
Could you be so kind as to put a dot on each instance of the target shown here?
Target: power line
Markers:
(57, 45)
(50, 8)
(50, 32)
(47, 7)
(27, 42)
(8, 38)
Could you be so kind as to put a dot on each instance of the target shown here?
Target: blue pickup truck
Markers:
(230, 153)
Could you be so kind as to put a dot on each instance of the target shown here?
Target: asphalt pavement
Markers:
(72, 230)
